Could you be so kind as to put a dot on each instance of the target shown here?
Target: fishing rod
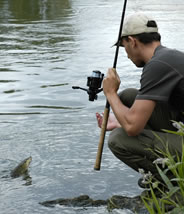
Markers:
(107, 106)
(94, 83)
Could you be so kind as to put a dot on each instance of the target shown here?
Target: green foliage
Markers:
(172, 195)
(178, 210)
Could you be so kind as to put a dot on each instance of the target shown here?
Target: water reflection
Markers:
(55, 85)
(11, 91)
(53, 107)
(37, 37)
(33, 10)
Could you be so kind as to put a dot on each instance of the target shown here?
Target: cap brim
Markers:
(116, 43)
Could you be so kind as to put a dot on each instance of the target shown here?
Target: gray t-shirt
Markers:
(162, 78)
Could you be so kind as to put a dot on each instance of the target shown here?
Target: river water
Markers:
(46, 47)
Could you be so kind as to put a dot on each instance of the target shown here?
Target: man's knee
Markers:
(128, 96)
(117, 139)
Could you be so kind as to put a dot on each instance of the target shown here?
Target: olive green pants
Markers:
(140, 151)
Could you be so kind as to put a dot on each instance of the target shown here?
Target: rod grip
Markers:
(102, 138)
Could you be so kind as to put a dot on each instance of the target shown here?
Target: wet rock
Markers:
(81, 201)
(134, 204)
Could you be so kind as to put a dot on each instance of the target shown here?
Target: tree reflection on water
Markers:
(26, 10)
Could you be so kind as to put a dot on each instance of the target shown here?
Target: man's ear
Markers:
(132, 41)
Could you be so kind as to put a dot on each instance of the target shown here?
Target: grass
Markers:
(173, 195)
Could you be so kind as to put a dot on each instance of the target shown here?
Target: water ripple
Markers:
(55, 107)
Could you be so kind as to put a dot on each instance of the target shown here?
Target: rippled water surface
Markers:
(46, 47)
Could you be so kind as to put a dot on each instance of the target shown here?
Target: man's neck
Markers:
(149, 50)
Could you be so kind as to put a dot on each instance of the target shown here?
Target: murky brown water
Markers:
(46, 46)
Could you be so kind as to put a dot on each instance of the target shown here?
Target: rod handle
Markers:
(102, 138)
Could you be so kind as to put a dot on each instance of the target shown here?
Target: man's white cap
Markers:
(138, 23)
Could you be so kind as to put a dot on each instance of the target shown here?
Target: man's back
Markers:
(163, 78)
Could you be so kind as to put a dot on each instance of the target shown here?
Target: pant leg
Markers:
(140, 151)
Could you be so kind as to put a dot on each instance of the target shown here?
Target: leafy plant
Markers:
(171, 197)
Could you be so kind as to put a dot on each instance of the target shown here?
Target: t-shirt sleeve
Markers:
(158, 81)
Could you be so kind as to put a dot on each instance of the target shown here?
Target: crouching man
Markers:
(160, 99)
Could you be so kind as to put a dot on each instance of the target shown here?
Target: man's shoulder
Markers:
(162, 52)
(166, 59)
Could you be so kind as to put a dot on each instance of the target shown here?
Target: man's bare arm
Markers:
(133, 119)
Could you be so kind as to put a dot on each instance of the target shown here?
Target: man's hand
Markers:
(112, 122)
(111, 82)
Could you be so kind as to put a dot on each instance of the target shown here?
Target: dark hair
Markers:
(145, 38)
